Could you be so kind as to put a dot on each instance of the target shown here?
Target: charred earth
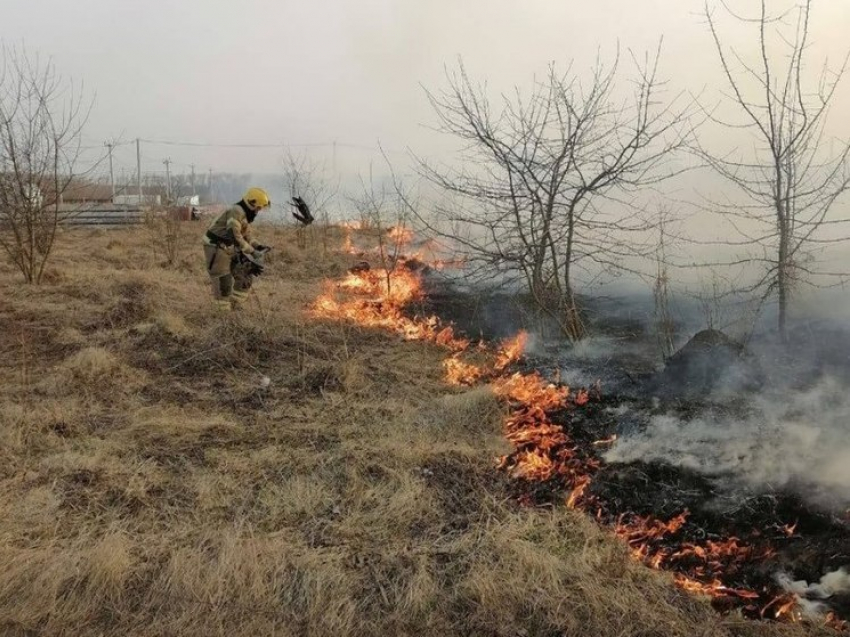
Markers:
(652, 456)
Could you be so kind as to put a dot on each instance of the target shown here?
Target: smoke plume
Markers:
(790, 439)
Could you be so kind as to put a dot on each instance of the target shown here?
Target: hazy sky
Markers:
(311, 72)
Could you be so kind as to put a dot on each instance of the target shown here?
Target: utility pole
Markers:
(193, 180)
(167, 163)
(110, 145)
(139, 169)
(210, 187)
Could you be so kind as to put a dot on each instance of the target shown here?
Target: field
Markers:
(166, 469)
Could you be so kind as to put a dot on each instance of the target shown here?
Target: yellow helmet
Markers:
(256, 198)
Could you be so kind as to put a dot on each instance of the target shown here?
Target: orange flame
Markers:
(347, 244)
(582, 397)
(531, 389)
(702, 563)
(377, 298)
(639, 529)
(578, 491)
(541, 435)
(446, 264)
(460, 373)
(398, 287)
(533, 465)
(713, 588)
(511, 350)
(785, 606)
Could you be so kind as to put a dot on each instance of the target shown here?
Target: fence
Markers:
(103, 215)
(107, 214)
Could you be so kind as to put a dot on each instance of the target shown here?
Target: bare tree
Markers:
(41, 118)
(180, 189)
(547, 182)
(384, 209)
(665, 326)
(165, 219)
(789, 180)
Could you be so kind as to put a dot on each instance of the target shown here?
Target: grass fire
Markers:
(726, 569)
(338, 458)
(465, 318)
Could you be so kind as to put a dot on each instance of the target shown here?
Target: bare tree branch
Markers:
(547, 183)
(41, 121)
(791, 185)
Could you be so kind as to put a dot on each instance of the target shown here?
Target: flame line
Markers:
(543, 451)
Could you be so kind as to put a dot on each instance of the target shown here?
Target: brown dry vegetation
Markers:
(150, 485)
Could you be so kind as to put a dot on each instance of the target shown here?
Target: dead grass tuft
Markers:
(91, 365)
(346, 376)
(44, 589)
(70, 337)
(53, 276)
(556, 573)
(92, 371)
(174, 324)
(470, 413)
(109, 566)
(300, 499)
(133, 301)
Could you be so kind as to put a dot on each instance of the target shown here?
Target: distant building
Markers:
(189, 200)
(84, 192)
(79, 192)
(134, 200)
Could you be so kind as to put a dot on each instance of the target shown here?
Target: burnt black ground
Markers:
(635, 386)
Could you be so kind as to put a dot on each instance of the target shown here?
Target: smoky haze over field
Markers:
(311, 73)
(242, 82)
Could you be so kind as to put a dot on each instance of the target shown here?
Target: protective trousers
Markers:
(219, 262)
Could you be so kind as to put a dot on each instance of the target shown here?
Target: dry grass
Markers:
(150, 484)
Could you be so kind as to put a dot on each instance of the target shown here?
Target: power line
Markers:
(121, 152)
(163, 142)
(279, 145)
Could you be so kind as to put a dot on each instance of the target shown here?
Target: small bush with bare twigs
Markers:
(41, 121)
(167, 233)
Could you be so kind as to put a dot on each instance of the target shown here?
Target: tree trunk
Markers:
(574, 325)
(782, 283)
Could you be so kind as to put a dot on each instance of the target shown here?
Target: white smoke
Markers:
(788, 439)
(831, 584)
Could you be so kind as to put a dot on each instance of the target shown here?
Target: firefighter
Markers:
(228, 238)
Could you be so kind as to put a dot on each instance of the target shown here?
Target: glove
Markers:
(256, 267)
(303, 213)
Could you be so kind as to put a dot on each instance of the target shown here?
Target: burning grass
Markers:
(165, 470)
(555, 453)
